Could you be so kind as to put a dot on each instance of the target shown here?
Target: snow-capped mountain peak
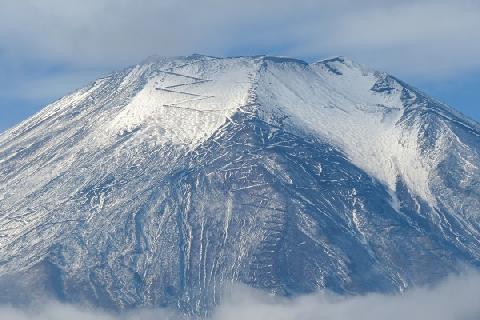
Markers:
(161, 183)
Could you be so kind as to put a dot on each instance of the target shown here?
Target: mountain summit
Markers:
(161, 184)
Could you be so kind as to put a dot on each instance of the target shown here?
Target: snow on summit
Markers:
(184, 100)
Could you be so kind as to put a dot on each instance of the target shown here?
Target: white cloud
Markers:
(454, 299)
(423, 36)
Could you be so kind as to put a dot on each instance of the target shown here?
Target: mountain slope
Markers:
(160, 184)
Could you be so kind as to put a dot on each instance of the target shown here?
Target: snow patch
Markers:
(343, 109)
(186, 105)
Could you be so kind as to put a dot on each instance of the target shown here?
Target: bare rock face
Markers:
(161, 184)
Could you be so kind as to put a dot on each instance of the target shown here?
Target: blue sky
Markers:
(51, 47)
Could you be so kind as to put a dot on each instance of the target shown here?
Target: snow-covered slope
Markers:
(355, 109)
(160, 184)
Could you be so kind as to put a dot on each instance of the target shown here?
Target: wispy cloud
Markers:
(454, 299)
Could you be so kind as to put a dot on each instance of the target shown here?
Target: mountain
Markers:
(163, 183)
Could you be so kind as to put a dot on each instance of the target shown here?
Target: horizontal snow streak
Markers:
(186, 104)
